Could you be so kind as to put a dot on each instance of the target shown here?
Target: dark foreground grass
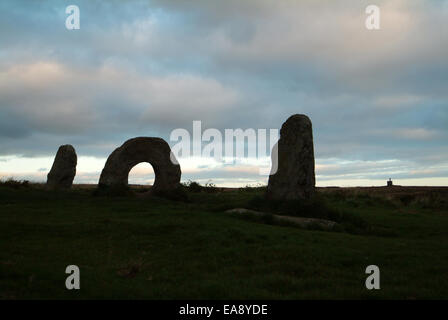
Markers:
(139, 247)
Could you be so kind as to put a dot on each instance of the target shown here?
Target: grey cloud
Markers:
(145, 68)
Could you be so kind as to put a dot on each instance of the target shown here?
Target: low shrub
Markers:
(15, 184)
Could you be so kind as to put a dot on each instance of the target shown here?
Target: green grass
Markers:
(151, 248)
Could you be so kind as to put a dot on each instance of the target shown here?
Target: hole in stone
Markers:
(141, 177)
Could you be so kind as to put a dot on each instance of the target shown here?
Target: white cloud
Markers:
(416, 134)
(54, 97)
(145, 68)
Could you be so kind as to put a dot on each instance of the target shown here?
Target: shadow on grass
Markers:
(316, 207)
(178, 194)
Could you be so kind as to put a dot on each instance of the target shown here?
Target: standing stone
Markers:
(292, 173)
(155, 151)
(63, 170)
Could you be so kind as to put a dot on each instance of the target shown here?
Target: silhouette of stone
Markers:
(134, 151)
(63, 170)
(292, 173)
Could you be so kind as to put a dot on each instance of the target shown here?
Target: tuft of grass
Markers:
(431, 200)
(15, 184)
(210, 187)
(196, 187)
(192, 186)
(253, 188)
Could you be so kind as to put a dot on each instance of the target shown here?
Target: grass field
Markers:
(152, 248)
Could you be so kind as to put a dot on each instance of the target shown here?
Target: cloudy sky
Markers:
(378, 99)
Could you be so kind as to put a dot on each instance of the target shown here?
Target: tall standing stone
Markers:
(292, 173)
(63, 170)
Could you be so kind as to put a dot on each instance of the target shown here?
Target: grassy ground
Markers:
(152, 248)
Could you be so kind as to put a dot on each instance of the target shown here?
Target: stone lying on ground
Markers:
(134, 151)
(63, 170)
(292, 172)
(299, 221)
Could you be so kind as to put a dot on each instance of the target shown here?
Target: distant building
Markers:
(390, 183)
